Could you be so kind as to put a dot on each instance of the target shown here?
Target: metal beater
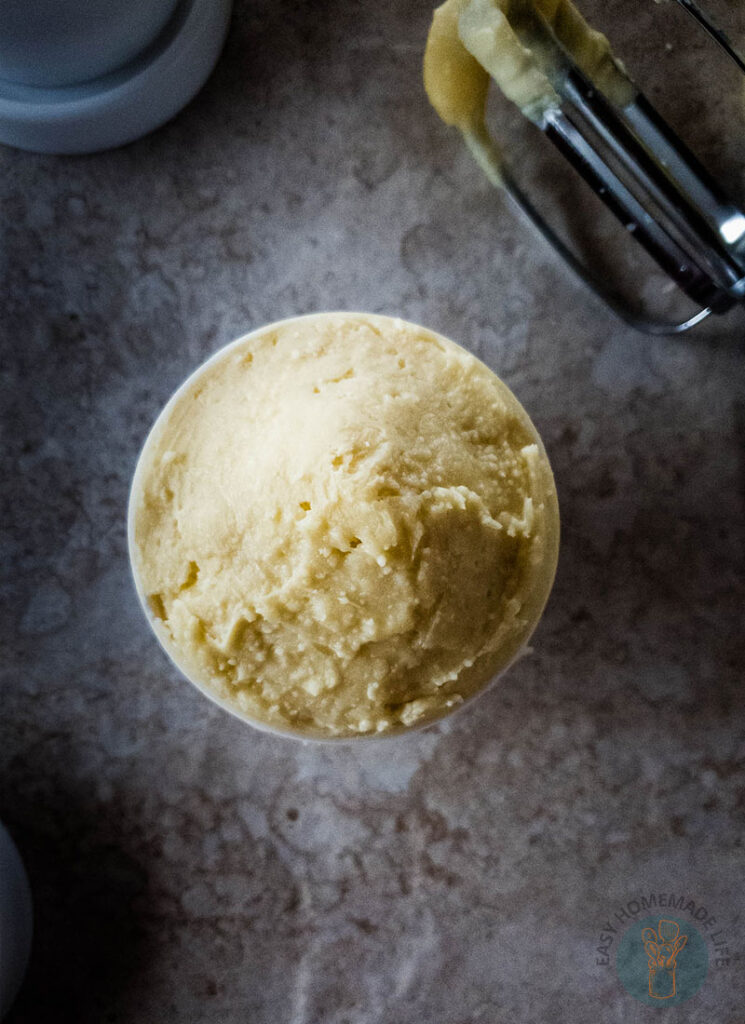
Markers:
(648, 178)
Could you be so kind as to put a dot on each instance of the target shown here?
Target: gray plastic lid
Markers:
(122, 105)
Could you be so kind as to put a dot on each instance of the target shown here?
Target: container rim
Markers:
(225, 704)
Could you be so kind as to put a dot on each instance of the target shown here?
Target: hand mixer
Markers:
(566, 80)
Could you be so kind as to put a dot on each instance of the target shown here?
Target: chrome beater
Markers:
(648, 179)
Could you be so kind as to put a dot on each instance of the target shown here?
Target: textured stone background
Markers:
(185, 869)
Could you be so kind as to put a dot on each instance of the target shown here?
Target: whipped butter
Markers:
(343, 525)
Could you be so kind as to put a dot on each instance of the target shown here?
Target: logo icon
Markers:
(662, 948)
(662, 961)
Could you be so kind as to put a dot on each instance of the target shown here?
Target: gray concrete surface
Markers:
(186, 869)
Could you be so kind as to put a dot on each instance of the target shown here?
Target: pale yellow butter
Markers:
(472, 40)
(344, 525)
(456, 83)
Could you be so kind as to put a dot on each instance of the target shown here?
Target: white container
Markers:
(227, 705)
(15, 921)
(49, 43)
(79, 77)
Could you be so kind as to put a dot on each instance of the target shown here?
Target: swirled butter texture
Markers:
(343, 525)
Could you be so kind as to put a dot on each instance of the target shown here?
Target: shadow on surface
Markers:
(650, 572)
(87, 944)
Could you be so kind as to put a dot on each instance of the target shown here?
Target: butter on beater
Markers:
(472, 40)
(343, 525)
